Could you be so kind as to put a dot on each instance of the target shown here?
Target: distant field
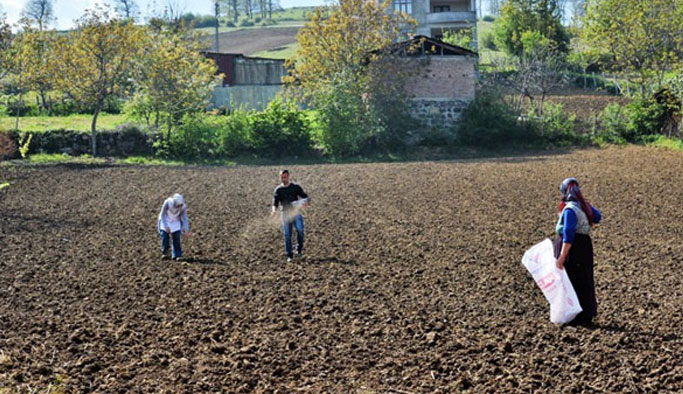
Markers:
(252, 41)
(284, 52)
(279, 41)
(72, 122)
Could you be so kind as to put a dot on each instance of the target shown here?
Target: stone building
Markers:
(442, 81)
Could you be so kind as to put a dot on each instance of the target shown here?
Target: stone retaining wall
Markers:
(125, 141)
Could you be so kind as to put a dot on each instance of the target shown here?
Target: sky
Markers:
(68, 10)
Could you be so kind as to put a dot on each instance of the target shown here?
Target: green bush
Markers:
(194, 139)
(613, 127)
(489, 18)
(233, 133)
(489, 122)
(230, 24)
(554, 126)
(281, 129)
(645, 118)
(246, 23)
(345, 125)
(630, 123)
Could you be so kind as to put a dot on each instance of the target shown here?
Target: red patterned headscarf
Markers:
(572, 192)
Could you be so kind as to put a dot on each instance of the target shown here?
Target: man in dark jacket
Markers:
(288, 195)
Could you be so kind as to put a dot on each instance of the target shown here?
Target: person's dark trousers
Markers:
(165, 240)
(298, 222)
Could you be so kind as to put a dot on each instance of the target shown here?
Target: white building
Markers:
(436, 16)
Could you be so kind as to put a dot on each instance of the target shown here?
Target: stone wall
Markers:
(438, 113)
(125, 141)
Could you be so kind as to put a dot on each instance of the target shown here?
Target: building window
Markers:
(442, 8)
(404, 6)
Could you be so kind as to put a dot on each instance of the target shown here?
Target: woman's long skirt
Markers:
(579, 266)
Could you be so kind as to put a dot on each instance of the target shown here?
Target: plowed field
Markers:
(411, 282)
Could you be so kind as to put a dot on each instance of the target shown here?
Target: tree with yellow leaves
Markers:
(643, 37)
(96, 60)
(172, 78)
(33, 59)
(332, 69)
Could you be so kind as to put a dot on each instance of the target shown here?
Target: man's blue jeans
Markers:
(298, 222)
(165, 240)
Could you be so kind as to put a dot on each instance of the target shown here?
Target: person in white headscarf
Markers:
(172, 224)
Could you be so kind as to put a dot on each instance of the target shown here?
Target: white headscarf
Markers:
(178, 200)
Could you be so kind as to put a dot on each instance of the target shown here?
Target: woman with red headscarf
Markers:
(574, 248)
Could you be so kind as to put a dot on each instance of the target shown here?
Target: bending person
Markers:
(172, 224)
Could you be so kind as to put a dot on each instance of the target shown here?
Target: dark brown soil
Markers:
(586, 104)
(250, 41)
(412, 280)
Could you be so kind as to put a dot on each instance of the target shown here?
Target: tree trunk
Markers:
(93, 129)
(43, 99)
(16, 123)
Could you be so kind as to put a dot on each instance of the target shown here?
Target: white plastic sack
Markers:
(555, 284)
(300, 202)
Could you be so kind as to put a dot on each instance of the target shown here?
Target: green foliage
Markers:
(645, 118)
(614, 124)
(173, 78)
(641, 37)
(233, 133)
(246, 23)
(489, 42)
(51, 158)
(281, 129)
(230, 24)
(489, 122)
(554, 126)
(345, 128)
(489, 18)
(340, 71)
(630, 123)
(530, 16)
(24, 144)
(661, 141)
(461, 38)
(193, 139)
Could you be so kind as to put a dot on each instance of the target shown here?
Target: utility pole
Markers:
(217, 8)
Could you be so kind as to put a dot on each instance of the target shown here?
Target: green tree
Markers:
(96, 60)
(34, 59)
(461, 38)
(332, 70)
(5, 43)
(643, 37)
(172, 78)
(523, 16)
